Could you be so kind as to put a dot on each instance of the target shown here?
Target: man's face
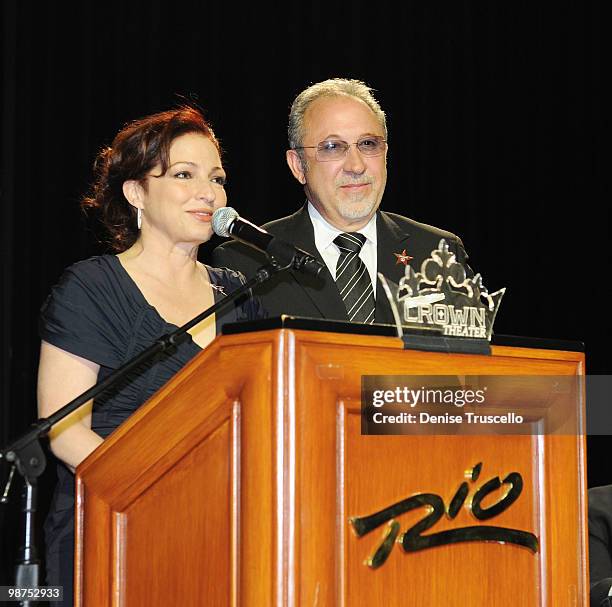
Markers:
(347, 191)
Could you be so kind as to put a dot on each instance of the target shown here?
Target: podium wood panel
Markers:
(234, 485)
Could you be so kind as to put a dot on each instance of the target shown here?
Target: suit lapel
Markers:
(321, 290)
(390, 239)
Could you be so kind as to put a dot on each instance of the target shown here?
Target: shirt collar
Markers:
(325, 233)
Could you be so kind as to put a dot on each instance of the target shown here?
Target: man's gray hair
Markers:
(334, 87)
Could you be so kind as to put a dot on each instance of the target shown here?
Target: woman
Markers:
(156, 187)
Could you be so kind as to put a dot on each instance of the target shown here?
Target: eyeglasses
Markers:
(334, 149)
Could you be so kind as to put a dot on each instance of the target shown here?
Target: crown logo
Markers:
(442, 297)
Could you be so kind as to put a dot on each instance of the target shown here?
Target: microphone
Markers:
(226, 222)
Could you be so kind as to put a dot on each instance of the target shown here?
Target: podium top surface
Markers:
(336, 326)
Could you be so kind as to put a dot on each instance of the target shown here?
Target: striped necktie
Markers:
(353, 278)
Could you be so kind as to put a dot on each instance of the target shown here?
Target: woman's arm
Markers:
(61, 378)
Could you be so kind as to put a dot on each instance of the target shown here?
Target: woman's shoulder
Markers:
(226, 280)
(226, 277)
(94, 268)
(100, 278)
(97, 281)
(85, 312)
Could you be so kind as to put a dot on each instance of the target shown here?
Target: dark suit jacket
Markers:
(600, 542)
(299, 294)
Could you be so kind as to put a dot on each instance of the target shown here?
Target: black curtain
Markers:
(497, 132)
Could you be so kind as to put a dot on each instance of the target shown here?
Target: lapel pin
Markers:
(402, 257)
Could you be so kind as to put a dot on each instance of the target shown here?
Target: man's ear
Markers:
(295, 164)
(133, 192)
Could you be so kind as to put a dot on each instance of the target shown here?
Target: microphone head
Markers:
(222, 219)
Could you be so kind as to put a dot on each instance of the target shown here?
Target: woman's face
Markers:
(179, 204)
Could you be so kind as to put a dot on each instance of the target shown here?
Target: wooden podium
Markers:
(235, 483)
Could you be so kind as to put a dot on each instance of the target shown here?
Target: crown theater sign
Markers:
(442, 297)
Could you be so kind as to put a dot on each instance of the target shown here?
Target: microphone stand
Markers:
(26, 455)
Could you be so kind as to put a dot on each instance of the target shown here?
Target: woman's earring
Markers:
(139, 218)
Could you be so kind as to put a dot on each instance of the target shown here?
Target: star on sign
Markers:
(402, 257)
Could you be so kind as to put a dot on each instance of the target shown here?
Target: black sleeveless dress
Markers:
(96, 311)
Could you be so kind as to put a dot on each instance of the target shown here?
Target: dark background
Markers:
(498, 126)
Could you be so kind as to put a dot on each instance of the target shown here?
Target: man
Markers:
(338, 152)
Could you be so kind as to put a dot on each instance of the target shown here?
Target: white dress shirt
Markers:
(324, 234)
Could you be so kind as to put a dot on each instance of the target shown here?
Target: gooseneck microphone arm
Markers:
(26, 454)
(227, 223)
